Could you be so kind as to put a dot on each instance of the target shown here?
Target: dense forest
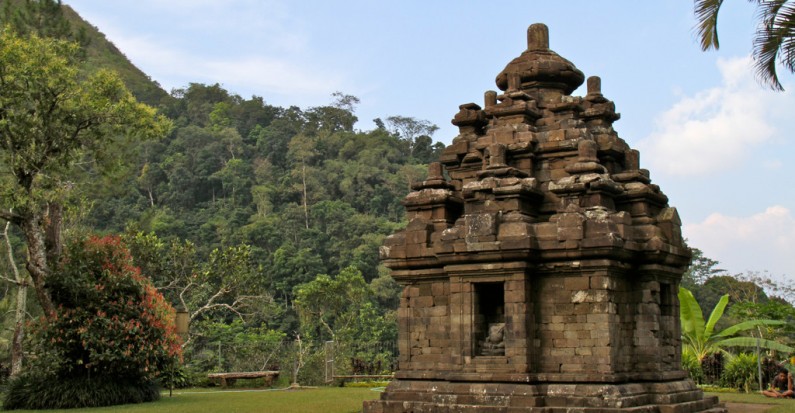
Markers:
(248, 216)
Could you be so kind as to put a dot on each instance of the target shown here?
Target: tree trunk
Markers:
(37, 264)
(17, 350)
(52, 240)
(306, 201)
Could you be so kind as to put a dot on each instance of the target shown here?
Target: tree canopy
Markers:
(52, 120)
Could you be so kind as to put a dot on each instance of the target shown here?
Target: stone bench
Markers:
(228, 379)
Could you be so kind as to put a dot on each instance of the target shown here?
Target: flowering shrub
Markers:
(111, 324)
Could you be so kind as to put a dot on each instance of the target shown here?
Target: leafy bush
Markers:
(692, 366)
(741, 372)
(112, 330)
(36, 391)
(712, 367)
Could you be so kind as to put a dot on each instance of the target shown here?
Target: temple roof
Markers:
(539, 67)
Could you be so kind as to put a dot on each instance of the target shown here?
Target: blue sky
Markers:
(716, 141)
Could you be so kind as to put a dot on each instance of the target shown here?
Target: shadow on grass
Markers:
(776, 405)
(324, 399)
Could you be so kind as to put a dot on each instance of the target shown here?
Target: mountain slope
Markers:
(46, 19)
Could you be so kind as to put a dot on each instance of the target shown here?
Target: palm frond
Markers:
(787, 22)
(707, 22)
(775, 29)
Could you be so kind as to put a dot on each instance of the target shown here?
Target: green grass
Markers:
(781, 405)
(324, 399)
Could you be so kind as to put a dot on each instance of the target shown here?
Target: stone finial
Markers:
(435, 171)
(514, 82)
(490, 98)
(586, 149)
(632, 160)
(587, 160)
(496, 155)
(538, 37)
(594, 85)
(469, 118)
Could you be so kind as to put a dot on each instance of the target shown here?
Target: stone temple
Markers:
(540, 266)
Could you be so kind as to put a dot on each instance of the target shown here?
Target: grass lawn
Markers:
(781, 405)
(324, 399)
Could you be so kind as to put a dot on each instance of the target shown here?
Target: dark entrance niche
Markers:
(666, 300)
(489, 319)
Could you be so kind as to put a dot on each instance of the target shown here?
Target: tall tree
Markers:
(331, 305)
(774, 41)
(410, 129)
(51, 120)
(701, 269)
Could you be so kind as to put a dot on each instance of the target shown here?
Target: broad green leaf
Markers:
(747, 325)
(752, 341)
(690, 315)
(716, 314)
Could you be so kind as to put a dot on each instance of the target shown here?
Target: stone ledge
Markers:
(420, 396)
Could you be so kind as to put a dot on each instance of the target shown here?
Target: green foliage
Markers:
(329, 306)
(773, 309)
(51, 117)
(54, 118)
(226, 283)
(242, 201)
(699, 337)
(111, 321)
(341, 308)
(245, 348)
(35, 391)
(112, 330)
(692, 365)
(303, 190)
(174, 377)
(741, 372)
(700, 270)
(44, 18)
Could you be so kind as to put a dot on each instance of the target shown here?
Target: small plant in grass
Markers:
(112, 333)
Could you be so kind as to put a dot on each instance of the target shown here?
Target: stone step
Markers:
(397, 406)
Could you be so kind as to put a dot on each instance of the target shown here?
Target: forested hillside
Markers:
(303, 188)
(246, 215)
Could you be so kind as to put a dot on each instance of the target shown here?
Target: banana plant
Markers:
(699, 337)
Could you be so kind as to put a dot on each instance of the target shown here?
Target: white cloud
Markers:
(714, 129)
(763, 241)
